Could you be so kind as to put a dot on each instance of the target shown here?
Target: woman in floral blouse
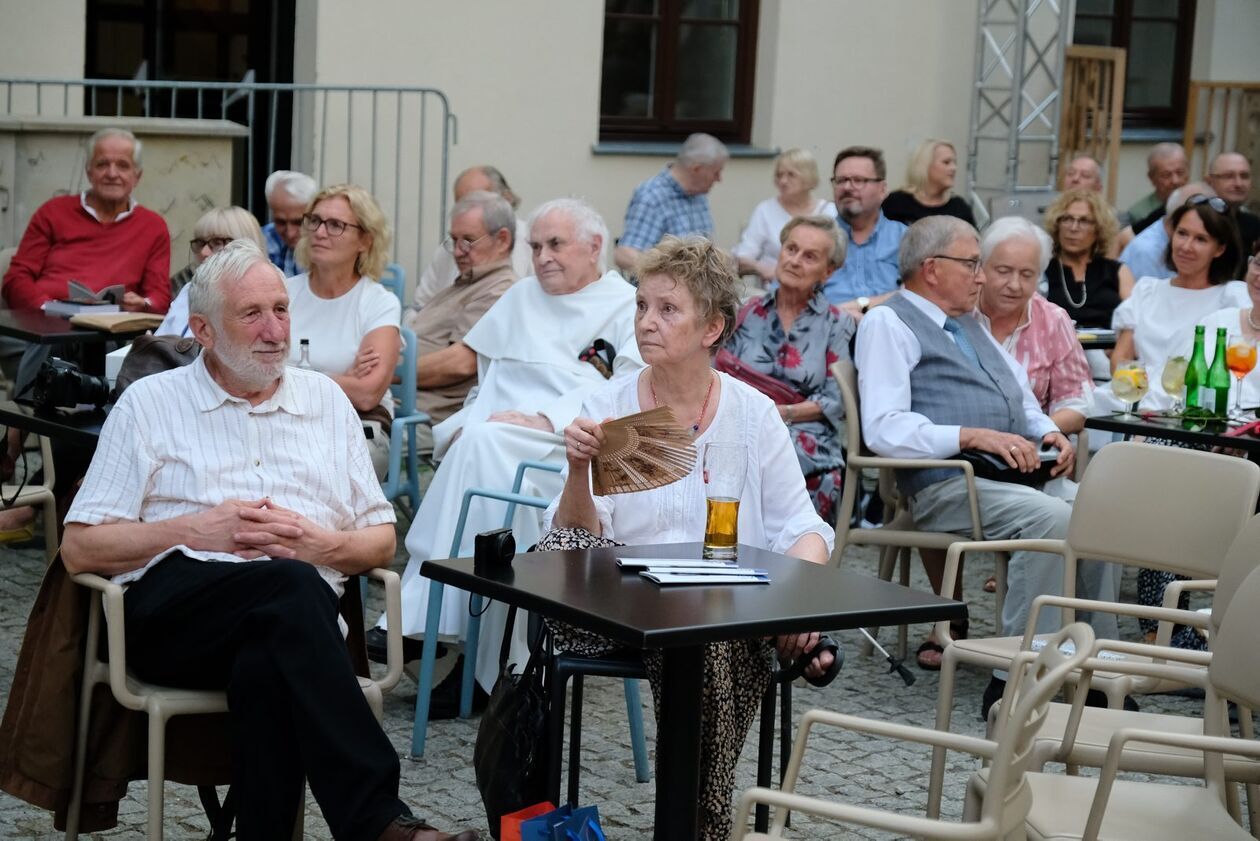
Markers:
(794, 335)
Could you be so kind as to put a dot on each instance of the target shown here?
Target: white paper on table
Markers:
(675, 563)
(673, 578)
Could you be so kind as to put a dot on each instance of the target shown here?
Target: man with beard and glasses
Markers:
(870, 274)
(232, 498)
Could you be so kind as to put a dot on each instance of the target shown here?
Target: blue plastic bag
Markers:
(564, 824)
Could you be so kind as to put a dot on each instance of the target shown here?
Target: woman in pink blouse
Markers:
(1036, 332)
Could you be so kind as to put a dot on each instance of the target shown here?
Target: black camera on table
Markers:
(493, 552)
(60, 384)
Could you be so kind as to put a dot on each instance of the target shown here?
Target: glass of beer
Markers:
(723, 484)
(1240, 358)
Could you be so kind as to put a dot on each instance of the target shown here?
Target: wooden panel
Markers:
(1093, 109)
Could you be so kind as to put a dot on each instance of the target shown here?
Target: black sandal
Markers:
(798, 667)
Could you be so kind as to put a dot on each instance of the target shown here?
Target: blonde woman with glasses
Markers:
(349, 321)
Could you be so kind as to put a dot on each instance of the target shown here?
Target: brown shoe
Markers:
(407, 828)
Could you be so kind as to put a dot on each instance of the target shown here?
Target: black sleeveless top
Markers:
(1089, 304)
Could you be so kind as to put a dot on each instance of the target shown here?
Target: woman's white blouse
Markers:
(774, 511)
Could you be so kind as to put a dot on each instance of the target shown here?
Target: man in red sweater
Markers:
(100, 237)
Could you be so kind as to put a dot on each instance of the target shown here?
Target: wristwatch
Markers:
(863, 302)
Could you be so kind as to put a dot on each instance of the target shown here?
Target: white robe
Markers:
(527, 348)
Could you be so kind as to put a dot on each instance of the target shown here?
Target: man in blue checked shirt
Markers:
(674, 201)
(288, 193)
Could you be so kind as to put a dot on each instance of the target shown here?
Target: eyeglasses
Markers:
(1215, 202)
(463, 244)
(972, 263)
(334, 227)
(854, 181)
(215, 243)
(1083, 222)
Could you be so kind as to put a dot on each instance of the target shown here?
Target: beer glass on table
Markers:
(723, 484)
(1240, 358)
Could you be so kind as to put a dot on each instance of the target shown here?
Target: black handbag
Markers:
(993, 467)
(510, 757)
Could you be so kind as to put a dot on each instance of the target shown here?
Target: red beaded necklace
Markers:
(704, 407)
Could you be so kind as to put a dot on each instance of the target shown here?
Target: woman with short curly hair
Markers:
(685, 307)
(1081, 278)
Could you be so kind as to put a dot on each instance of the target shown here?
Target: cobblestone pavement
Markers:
(441, 786)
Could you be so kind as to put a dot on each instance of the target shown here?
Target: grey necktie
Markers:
(955, 329)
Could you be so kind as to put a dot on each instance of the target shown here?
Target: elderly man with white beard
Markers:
(232, 497)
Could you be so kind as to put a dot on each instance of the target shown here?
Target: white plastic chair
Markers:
(993, 817)
(161, 703)
(40, 495)
(1161, 507)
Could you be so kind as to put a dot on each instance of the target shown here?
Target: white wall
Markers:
(42, 38)
(525, 86)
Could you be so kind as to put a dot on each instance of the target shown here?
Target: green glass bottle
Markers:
(1196, 376)
(1218, 379)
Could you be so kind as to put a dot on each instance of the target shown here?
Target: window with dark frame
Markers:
(1158, 37)
(674, 67)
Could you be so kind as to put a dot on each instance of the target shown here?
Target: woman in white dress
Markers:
(1157, 321)
(685, 309)
(349, 321)
(795, 177)
(1243, 321)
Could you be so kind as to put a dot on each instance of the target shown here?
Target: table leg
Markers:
(678, 744)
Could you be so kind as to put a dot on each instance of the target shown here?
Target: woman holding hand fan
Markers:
(686, 305)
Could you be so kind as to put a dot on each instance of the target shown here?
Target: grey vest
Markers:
(946, 388)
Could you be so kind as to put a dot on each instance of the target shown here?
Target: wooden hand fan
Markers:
(641, 452)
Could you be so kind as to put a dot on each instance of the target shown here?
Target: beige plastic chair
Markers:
(994, 817)
(898, 534)
(1067, 807)
(161, 703)
(1077, 735)
(41, 496)
(1165, 508)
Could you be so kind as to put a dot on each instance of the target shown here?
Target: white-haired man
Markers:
(935, 383)
(99, 237)
(1083, 173)
(1167, 169)
(232, 459)
(443, 268)
(288, 193)
(674, 201)
(549, 341)
(482, 235)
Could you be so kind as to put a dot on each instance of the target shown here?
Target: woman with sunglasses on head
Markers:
(1157, 321)
(350, 321)
(216, 228)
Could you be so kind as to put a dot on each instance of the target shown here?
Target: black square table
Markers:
(1206, 433)
(74, 428)
(587, 589)
(37, 328)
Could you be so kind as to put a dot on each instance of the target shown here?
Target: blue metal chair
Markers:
(394, 278)
(513, 498)
(404, 467)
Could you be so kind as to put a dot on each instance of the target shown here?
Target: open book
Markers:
(80, 298)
